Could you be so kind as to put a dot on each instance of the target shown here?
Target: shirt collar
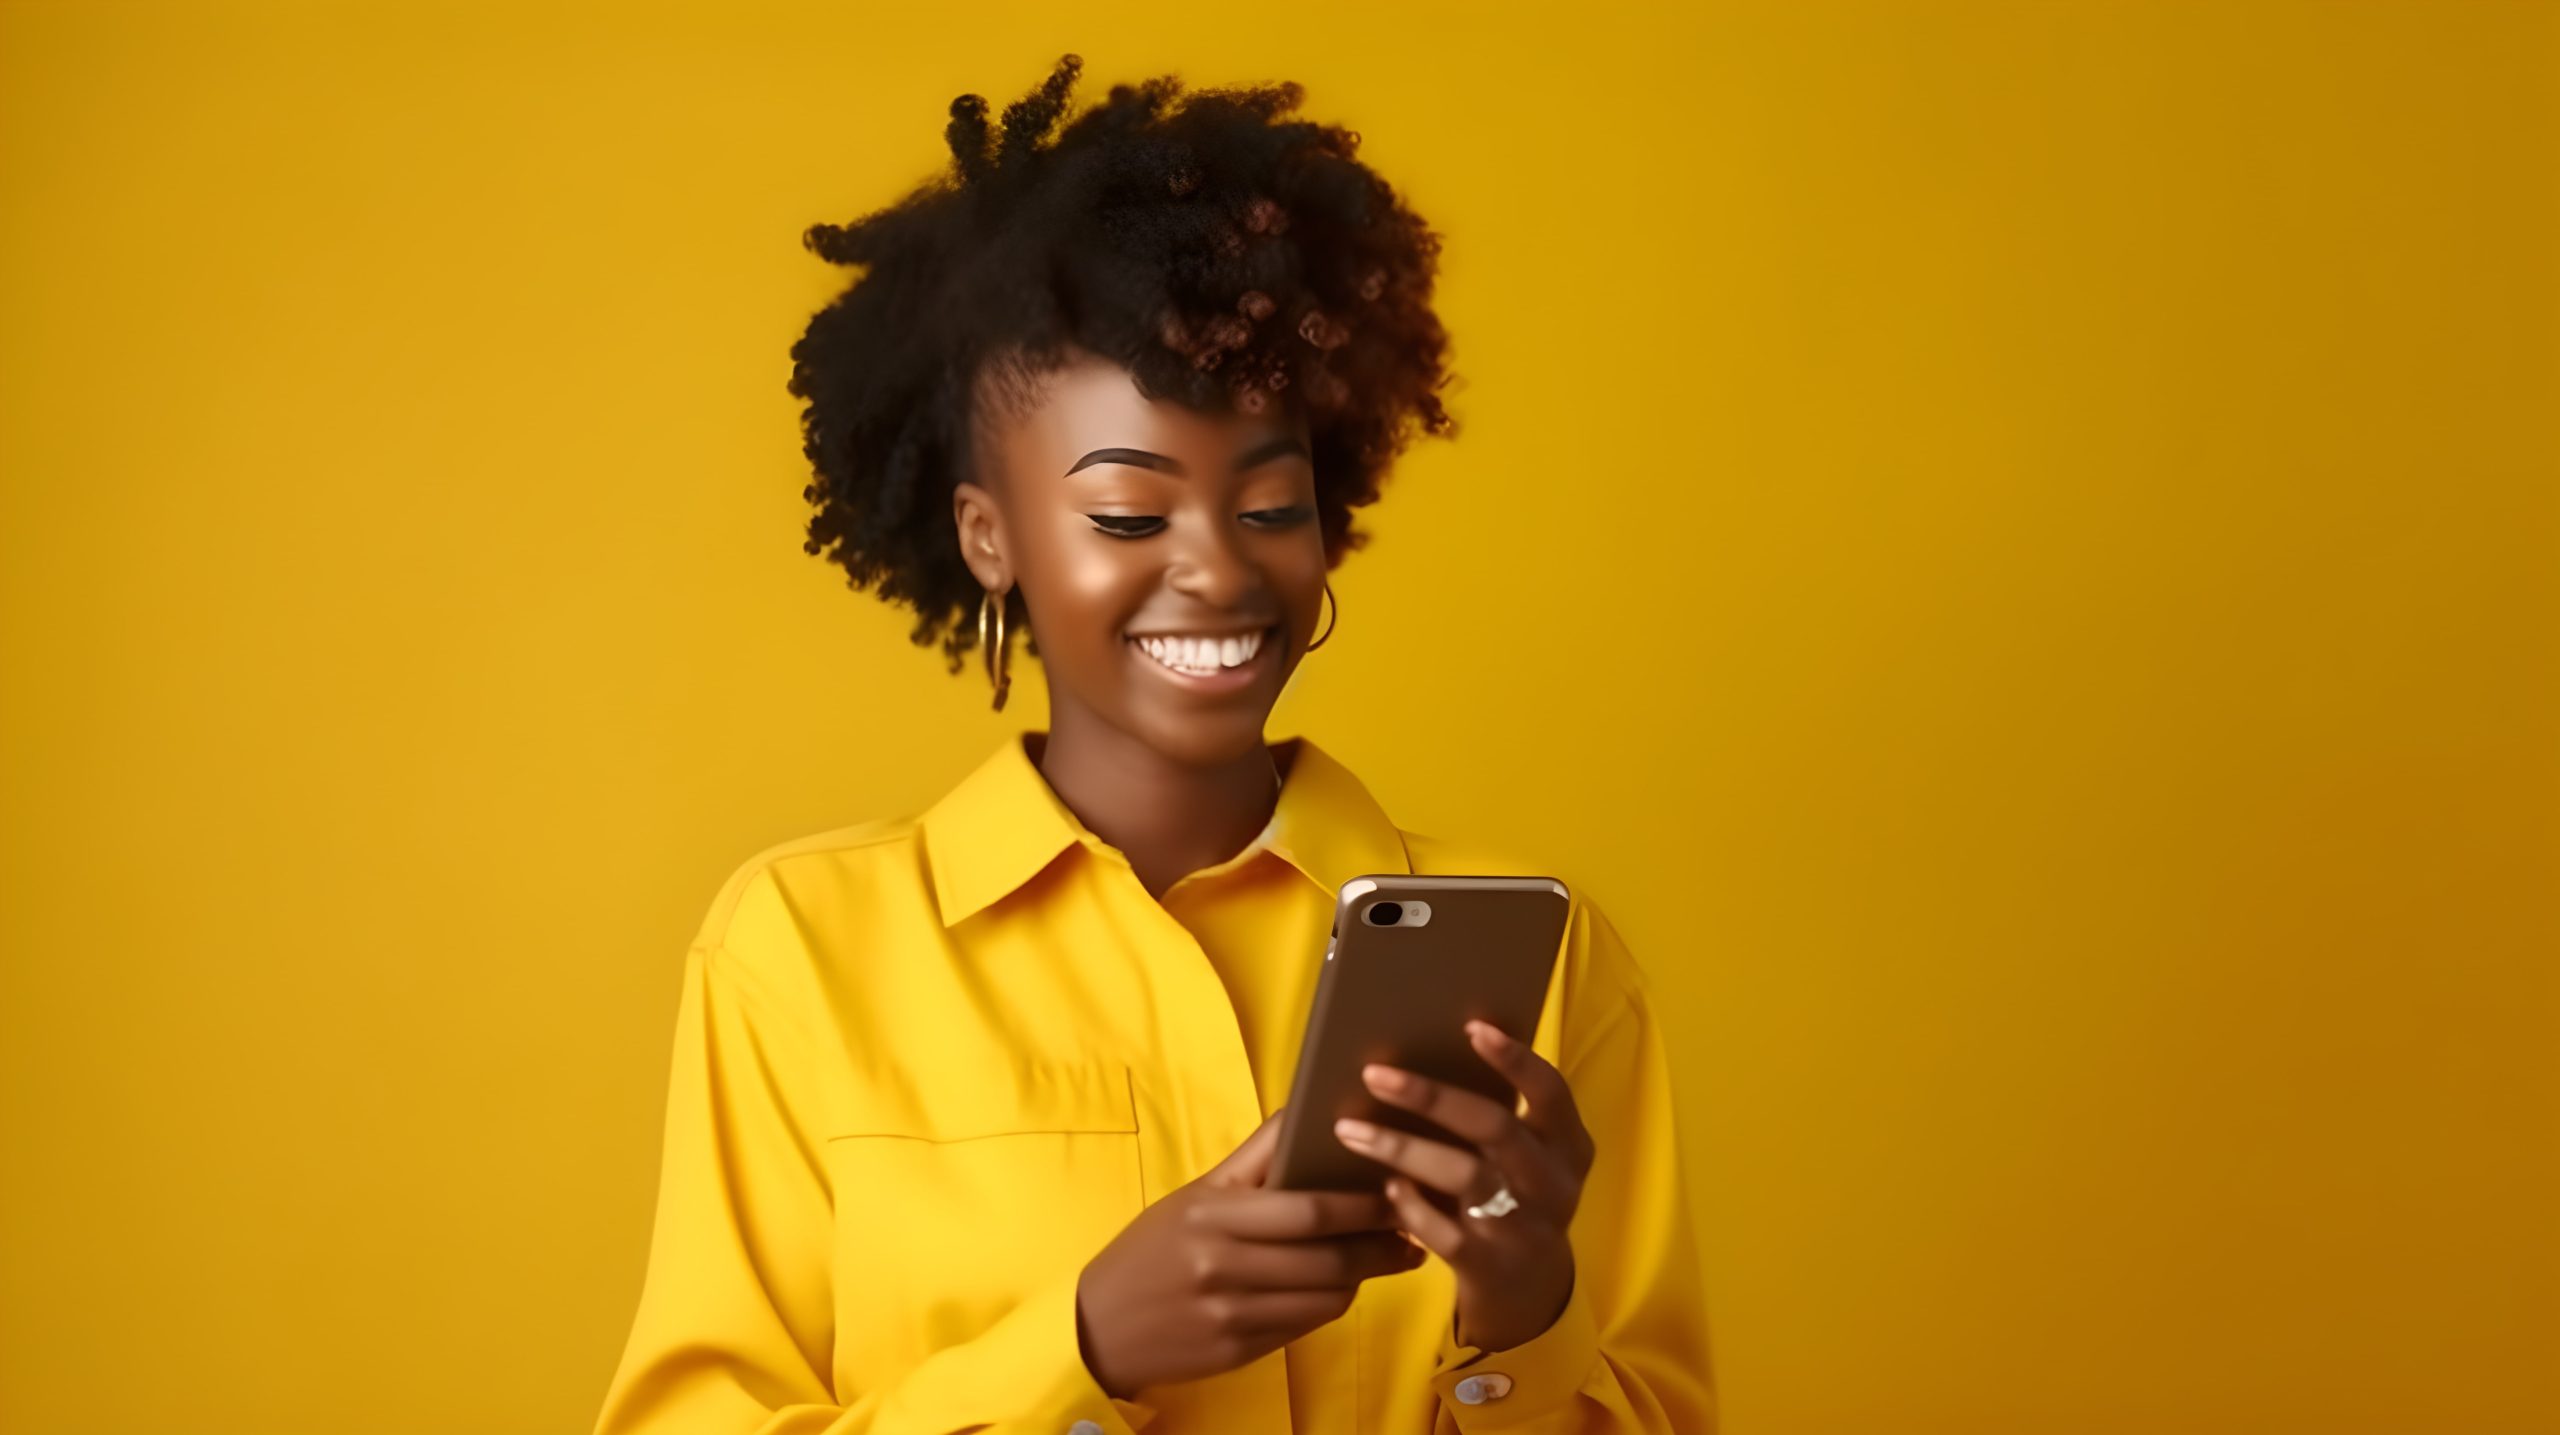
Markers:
(1003, 824)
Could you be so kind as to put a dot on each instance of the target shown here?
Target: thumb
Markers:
(1250, 1162)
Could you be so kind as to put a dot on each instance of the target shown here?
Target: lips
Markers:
(1210, 664)
(1200, 654)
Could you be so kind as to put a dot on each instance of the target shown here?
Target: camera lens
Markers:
(1385, 914)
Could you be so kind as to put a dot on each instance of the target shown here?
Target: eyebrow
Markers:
(1260, 453)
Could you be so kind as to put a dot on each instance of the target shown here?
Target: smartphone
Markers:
(1412, 960)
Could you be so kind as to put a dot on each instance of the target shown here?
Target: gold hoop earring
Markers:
(1333, 613)
(998, 655)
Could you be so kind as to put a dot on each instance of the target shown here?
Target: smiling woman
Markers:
(1170, 561)
(971, 1111)
(1224, 253)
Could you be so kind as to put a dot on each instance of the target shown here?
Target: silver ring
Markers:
(1500, 1203)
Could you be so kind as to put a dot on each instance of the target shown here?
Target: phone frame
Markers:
(1402, 995)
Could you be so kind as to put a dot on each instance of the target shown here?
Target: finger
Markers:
(1436, 1164)
(1250, 1162)
(1552, 1112)
(1533, 1170)
(1438, 1231)
(1332, 1263)
(1264, 1215)
(1478, 1118)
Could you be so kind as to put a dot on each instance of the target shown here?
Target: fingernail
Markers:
(1487, 1032)
(1359, 1133)
(1386, 1078)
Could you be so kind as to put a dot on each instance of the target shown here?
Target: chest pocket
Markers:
(956, 1197)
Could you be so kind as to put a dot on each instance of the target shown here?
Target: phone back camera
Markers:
(1397, 914)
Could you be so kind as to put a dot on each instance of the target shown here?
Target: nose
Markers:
(1211, 567)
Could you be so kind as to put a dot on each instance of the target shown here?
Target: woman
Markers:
(970, 1112)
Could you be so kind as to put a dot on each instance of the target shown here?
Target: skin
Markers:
(1217, 534)
(1173, 775)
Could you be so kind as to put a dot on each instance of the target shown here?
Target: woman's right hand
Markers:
(1223, 1271)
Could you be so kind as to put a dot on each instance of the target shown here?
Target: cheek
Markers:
(1299, 573)
(1084, 593)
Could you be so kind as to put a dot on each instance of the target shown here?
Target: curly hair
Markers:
(1229, 255)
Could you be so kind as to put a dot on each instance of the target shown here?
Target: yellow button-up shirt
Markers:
(925, 1069)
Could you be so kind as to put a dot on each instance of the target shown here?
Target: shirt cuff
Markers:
(1495, 1389)
(1028, 1367)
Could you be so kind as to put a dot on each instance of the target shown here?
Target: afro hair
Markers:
(1229, 255)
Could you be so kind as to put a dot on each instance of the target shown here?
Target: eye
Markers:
(1290, 516)
(1126, 525)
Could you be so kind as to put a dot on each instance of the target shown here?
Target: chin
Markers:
(1196, 713)
(1203, 739)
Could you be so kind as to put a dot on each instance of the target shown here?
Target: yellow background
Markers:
(2013, 547)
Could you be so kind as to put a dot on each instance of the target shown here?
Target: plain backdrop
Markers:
(2015, 548)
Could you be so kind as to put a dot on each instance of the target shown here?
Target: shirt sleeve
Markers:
(1629, 1354)
(735, 1329)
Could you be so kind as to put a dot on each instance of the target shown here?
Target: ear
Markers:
(982, 544)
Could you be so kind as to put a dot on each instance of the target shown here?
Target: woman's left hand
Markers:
(1515, 1271)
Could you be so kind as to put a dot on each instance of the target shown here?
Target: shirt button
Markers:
(1477, 1389)
(1084, 1427)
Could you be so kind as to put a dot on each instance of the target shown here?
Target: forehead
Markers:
(1044, 422)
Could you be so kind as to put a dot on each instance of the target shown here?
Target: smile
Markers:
(1200, 656)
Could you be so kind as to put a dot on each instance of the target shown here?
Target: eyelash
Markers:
(1141, 525)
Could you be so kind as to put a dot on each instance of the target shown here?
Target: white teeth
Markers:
(1201, 656)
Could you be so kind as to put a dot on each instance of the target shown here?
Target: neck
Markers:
(1168, 818)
